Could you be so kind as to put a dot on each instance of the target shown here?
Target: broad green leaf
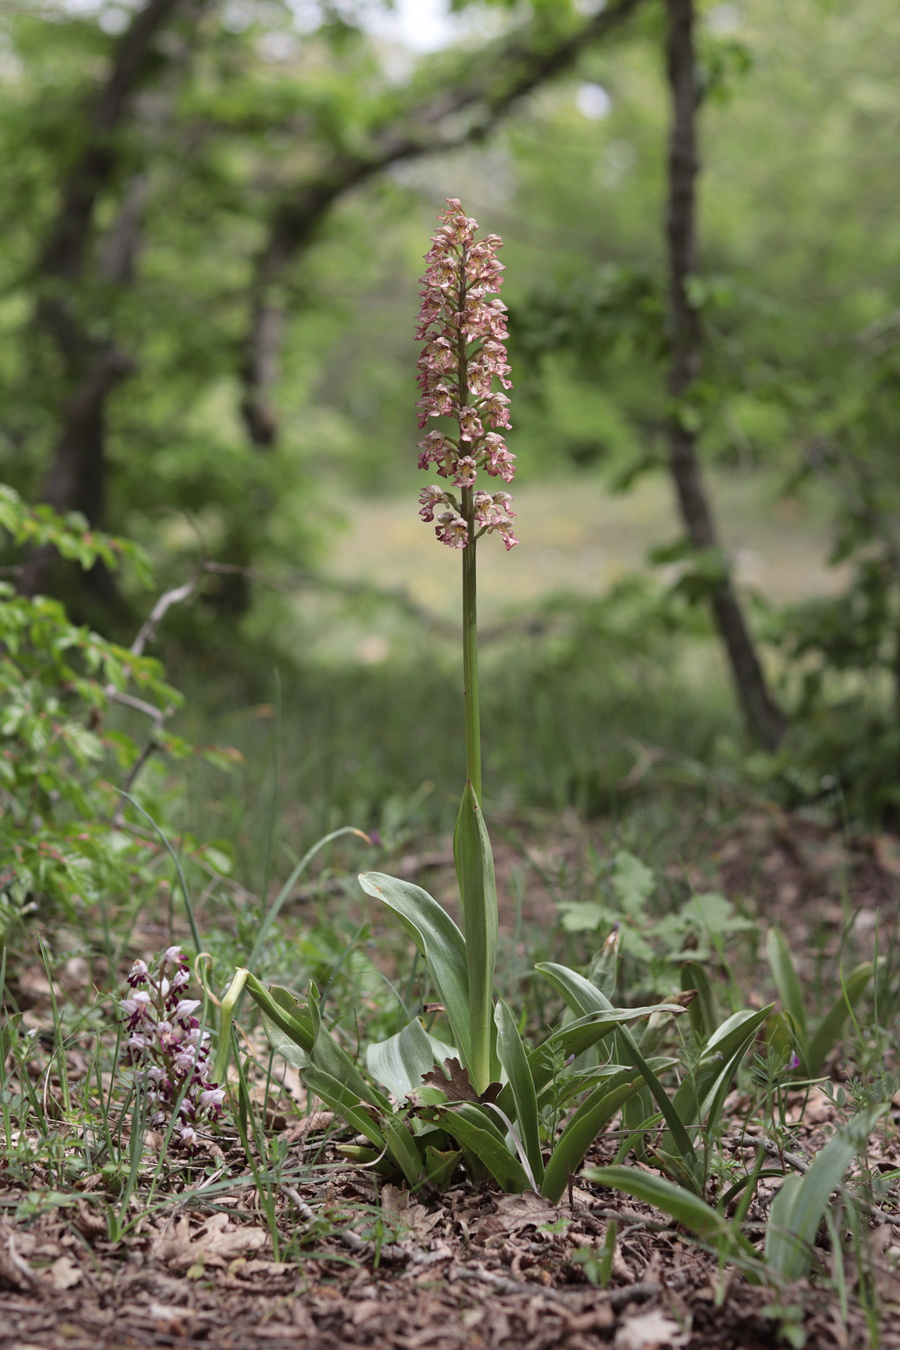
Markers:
(515, 1063)
(401, 1060)
(478, 893)
(295, 1024)
(576, 1037)
(480, 1138)
(585, 998)
(583, 916)
(331, 1056)
(402, 1148)
(362, 1156)
(585, 1080)
(681, 1205)
(786, 1252)
(788, 985)
(572, 1040)
(800, 1204)
(440, 942)
(580, 994)
(595, 1112)
(345, 1102)
(832, 1024)
(633, 883)
(289, 1034)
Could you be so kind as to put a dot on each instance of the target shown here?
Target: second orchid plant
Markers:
(457, 1086)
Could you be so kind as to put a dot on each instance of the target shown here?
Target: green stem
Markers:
(469, 596)
(470, 650)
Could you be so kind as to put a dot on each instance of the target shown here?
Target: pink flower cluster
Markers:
(462, 324)
(169, 1050)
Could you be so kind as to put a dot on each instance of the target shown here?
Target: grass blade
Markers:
(284, 893)
(799, 1207)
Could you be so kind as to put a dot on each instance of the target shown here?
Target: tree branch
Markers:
(64, 253)
(506, 72)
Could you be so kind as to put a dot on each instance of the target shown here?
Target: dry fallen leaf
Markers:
(517, 1211)
(365, 1311)
(650, 1331)
(14, 1269)
(63, 1274)
(454, 1081)
(400, 1207)
(216, 1242)
(170, 1319)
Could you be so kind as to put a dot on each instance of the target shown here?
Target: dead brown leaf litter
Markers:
(467, 1269)
(463, 1270)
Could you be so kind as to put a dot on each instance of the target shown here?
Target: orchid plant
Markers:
(457, 1086)
(168, 1051)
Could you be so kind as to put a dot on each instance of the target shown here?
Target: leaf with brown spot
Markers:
(457, 1086)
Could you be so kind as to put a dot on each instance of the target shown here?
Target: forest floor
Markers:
(367, 1267)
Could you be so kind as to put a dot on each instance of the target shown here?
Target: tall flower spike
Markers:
(462, 325)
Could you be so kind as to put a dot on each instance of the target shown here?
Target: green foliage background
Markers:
(244, 109)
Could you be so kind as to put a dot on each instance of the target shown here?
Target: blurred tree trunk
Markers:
(763, 716)
(93, 366)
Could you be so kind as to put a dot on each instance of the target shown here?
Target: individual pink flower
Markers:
(429, 498)
(470, 428)
(452, 530)
(492, 513)
(462, 326)
(465, 471)
(139, 972)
